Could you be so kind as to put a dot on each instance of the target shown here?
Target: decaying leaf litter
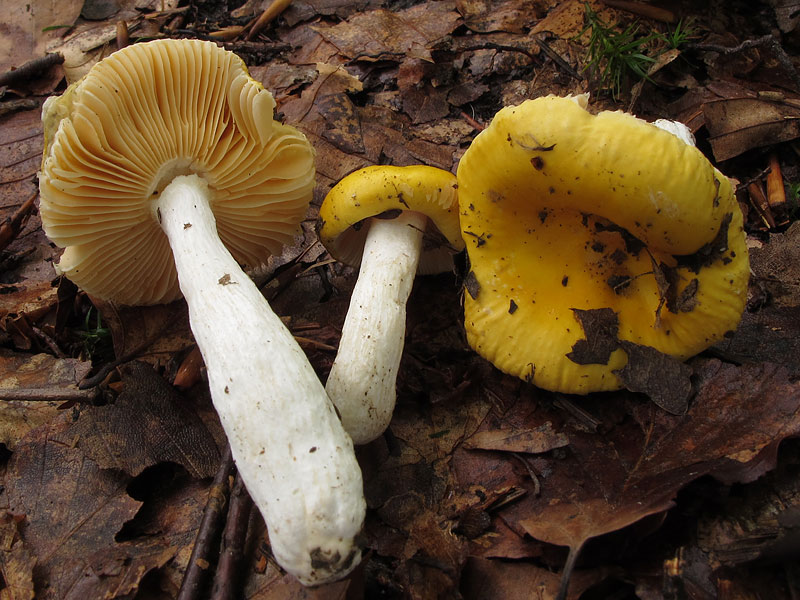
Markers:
(482, 483)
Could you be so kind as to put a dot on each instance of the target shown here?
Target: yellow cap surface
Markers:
(566, 211)
(387, 190)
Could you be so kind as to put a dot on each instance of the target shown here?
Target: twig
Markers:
(270, 14)
(167, 13)
(50, 342)
(37, 133)
(18, 179)
(475, 125)
(69, 394)
(123, 37)
(208, 535)
(98, 377)
(537, 488)
(10, 106)
(759, 201)
(20, 161)
(776, 193)
(556, 58)
(305, 342)
(11, 228)
(30, 68)
(227, 34)
(569, 567)
(263, 50)
(226, 578)
(742, 185)
(561, 401)
(767, 41)
(543, 46)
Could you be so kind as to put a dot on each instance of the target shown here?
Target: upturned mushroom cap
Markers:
(146, 114)
(385, 191)
(565, 212)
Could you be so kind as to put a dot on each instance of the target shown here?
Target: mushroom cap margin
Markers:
(536, 254)
(380, 190)
(147, 113)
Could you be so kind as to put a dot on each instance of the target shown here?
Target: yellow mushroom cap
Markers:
(564, 212)
(148, 113)
(384, 191)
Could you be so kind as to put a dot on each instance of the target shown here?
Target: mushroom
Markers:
(163, 170)
(589, 232)
(394, 221)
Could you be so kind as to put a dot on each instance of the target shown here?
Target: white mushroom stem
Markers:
(363, 377)
(289, 446)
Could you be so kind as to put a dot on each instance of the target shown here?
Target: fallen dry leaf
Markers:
(40, 372)
(117, 571)
(26, 291)
(147, 424)
(535, 441)
(26, 384)
(28, 27)
(72, 509)
(636, 470)
(500, 541)
(566, 19)
(664, 379)
(486, 579)
(304, 10)
(21, 144)
(172, 509)
(511, 16)
(736, 413)
(16, 562)
(787, 14)
(776, 267)
(769, 334)
(737, 125)
(761, 521)
(385, 35)
(151, 333)
(333, 163)
(288, 588)
(341, 115)
(455, 478)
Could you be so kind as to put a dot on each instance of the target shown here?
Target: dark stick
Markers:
(50, 342)
(51, 394)
(10, 106)
(543, 46)
(569, 567)
(767, 41)
(227, 580)
(10, 229)
(205, 545)
(30, 68)
(97, 378)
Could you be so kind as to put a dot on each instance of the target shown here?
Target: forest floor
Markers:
(483, 484)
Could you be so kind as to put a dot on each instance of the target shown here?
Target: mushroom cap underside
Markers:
(540, 258)
(145, 114)
(385, 192)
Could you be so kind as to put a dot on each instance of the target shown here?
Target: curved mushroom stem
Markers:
(289, 446)
(363, 376)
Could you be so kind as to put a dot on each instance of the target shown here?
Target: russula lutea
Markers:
(163, 170)
(393, 221)
(564, 211)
